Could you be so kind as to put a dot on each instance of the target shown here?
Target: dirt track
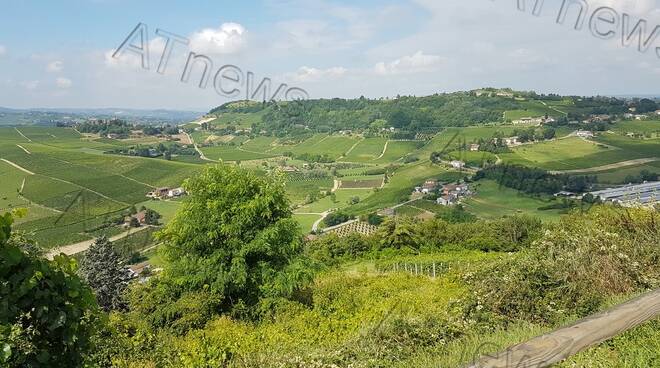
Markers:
(617, 165)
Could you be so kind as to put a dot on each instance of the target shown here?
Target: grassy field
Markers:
(534, 109)
(238, 120)
(647, 128)
(74, 176)
(75, 188)
(306, 221)
(232, 153)
(339, 200)
(560, 154)
(367, 150)
(299, 190)
(493, 201)
(320, 144)
(396, 150)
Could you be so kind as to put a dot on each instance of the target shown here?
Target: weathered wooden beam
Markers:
(563, 343)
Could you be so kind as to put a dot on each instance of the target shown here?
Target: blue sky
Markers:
(59, 53)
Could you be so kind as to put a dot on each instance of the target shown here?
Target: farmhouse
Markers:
(512, 141)
(457, 164)
(640, 117)
(536, 121)
(446, 200)
(159, 193)
(140, 270)
(584, 134)
(599, 118)
(176, 192)
(474, 147)
(429, 186)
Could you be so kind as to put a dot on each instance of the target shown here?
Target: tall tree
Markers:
(232, 242)
(103, 269)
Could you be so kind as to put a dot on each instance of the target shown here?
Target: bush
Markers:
(47, 315)
(573, 268)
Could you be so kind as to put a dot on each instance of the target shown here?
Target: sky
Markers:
(63, 53)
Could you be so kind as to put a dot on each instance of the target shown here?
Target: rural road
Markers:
(17, 166)
(617, 165)
(201, 154)
(316, 224)
(76, 248)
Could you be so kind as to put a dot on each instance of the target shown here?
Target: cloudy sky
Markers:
(62, 53)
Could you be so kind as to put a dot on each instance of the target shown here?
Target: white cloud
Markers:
(63, 83)
(30, 85)
(227, 39)
(55, 66)
(307, 74)
(416, 63)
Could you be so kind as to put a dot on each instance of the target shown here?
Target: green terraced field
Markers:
(566, 154)
(320, 144)
(259, 144)
(646, 127)
(75, 176)
(232, 153)
(298, 190)
(367, 150)
(75, 187)
(396, 150)
(239, 120)
(535, 109)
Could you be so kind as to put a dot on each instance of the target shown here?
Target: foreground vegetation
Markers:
(240, 287)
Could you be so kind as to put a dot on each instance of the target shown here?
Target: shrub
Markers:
(47, 315)
(573, 268)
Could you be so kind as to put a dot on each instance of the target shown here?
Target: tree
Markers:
(103, 269)
(134, 222)
(47, 315)
(151, 217)
(232, 243)
(399, 233)
(336, 218)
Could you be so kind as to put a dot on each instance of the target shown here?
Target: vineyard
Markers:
(353, 227)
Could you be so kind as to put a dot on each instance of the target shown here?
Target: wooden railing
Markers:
(560, 344)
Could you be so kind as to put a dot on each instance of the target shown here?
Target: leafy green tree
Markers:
(47, 315)
(232, 243)
(103, 269)
(399, 233)
(134, 222)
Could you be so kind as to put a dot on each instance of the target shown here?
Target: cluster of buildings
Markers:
(456, 164)
(584, 134)
(535, 121)
(633, 115)
(647, 194)
(452, 194)
(448, 194)
(165, 192)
